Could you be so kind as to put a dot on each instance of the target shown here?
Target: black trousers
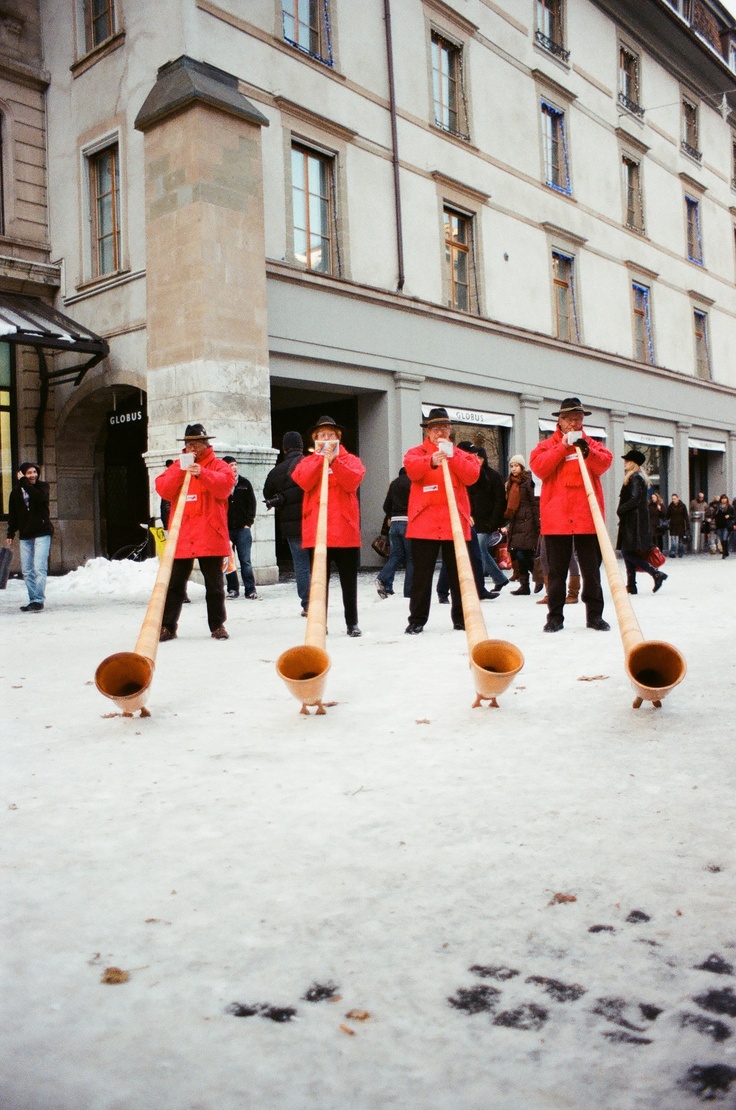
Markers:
(559, 550)
(347, 561)
(424, 556)
(214, 584)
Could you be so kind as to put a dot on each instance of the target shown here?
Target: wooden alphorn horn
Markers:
(304, 668)
(653, 666)
(493, 663)
(126, 677)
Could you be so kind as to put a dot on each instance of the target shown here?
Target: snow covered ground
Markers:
(534, 905)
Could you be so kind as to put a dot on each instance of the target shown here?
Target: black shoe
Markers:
(381, 589)
(538, 587)
(523, 589)
(166, 634)
(500, 586)
(659, 578)
(459, 626)
(489, 595)
(633, 589)
(354, 631)
(220, 633)
(252, 596)
(304, 612)
(413, 629)
(32, 607)
(598, 624)
(554, 624)
(443, 600)
(232, 594)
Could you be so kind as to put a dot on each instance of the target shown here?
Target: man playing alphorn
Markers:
(204, 533)
(565, 512)
(429, 527)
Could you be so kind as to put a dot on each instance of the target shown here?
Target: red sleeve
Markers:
(547, 456)
(218, 478)
(418, 463)
(348, 471)
(308, 472)
(170, 481)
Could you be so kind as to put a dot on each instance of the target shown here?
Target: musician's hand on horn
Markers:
(577, 439)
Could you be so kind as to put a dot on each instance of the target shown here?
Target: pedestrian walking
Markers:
(634, 536)
(29, 517)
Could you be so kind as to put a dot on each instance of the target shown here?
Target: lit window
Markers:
(99, 21)
(702, 347)
(690, 130)
(694, 239)
(629, 95)
(104, 193)
(643, 347)
(313, 209)
(447, 86)
(632, 194)
(459, 261)
(307, 26)
(554, 143)
(566, 317)
(550, 32)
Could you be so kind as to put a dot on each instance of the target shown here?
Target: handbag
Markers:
(654, 557)
(382, 546)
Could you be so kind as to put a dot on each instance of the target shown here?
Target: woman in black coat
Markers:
(633, 523)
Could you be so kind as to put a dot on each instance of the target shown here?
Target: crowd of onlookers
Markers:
(706, 526)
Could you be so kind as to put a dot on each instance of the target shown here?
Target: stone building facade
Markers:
(368, 211)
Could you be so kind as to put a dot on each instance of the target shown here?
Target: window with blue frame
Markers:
(694, 237)
(554, 145)
(307, 26)
(643, 345)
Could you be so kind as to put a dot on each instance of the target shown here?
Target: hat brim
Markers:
(332, 427)
(189, 439)
(431, 423)
(567, 412)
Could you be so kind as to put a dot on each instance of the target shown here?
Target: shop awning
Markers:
(474, 416)
(29, 322)
(649, 440)
(706, 444)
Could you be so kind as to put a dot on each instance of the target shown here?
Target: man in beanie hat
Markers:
(343, 512)
(429, 527)
(204, 532)
(565, 512)
(28, 515)
(283, 494)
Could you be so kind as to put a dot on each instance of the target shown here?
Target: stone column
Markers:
(207, 323)
(614, 477)
(681, 463)
(526, 437)
(730, 475)
(409, 409)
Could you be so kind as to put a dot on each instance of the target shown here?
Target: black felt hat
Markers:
(326, 422)
(571, 404)
(194, 431)
(635, 457)
(436, 416)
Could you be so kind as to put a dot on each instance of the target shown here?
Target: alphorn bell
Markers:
(493, 663)
(304, 668)
(653, 666)
(126, 677)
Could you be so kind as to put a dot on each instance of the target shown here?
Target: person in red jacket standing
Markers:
(343, 512)
(565, 512)
(204, 532)
(429, 527)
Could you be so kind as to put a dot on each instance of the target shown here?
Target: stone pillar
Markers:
(526, 436)
(730, 475)
(613, 479)
(409, 409)
(207, 323)
(681, 463)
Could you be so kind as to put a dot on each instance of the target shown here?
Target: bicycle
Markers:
(145, 549)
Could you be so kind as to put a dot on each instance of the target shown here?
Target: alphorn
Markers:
(653, 666)
(304, 668)
(126, 677)
(493, 663)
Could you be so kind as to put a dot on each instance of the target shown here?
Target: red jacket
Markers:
(564, 507)
(204, 524)
(429, 513)
(343, 512)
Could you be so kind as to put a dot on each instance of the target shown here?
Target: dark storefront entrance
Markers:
(126, 479)
(300, 419)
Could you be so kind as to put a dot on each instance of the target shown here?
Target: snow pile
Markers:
(122, 580)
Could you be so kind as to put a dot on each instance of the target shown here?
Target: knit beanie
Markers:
(518, 459)
(292, 441)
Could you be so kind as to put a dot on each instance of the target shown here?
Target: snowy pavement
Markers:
(523, 908)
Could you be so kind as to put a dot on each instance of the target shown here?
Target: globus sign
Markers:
(114, 418)
(127, 421)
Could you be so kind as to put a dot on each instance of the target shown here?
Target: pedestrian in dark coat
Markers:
(522, 514)
(634, 534)
(724, 521)
(658, 523)
(283, 494)
(679, 522)
(396, 508)
(488, 506)
(241, 512)
(29, 516)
